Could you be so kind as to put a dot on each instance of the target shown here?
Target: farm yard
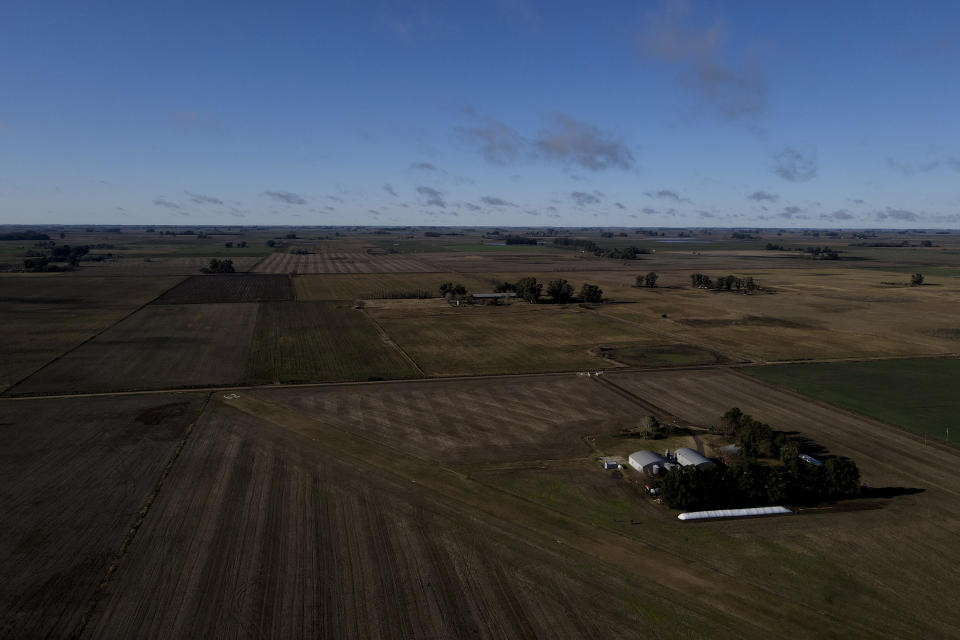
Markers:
(415, 468)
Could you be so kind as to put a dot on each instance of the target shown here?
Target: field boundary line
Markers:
(91, 338)
(393, 343)
(943, 446)
(135, 527)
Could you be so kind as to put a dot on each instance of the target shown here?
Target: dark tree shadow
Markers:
(889, 492)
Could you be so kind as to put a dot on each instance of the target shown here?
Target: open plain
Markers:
(323, 445)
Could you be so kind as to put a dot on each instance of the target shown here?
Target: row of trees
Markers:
(750, 484)
(560, 290)
(615, 253)
(724, 283)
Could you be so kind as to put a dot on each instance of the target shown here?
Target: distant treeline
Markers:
(616, 253)
(24, 235)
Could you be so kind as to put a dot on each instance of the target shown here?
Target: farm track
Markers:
(440, 379)
(389, 341)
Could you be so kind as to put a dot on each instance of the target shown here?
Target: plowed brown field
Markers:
(342, 263)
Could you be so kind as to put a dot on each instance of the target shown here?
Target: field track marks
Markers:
(645, 404)
(137, 523)
(90, 338)
(760, 611)
(733, 357)
(391, 342)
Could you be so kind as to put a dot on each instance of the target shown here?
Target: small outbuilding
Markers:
(689, 458)
(645, 461)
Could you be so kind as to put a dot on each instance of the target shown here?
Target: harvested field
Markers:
(163, 264)
(229, 288)
(159, 347)
(264, 529)
(320, 342)
(73, 475)
(342, 263)
(514, 338)
(384, 285)
(920, 395)
(45, 315)
(464, 421)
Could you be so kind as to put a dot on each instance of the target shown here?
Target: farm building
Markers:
(690, 458)
(645, 461)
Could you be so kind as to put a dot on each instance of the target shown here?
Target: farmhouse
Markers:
(690, 458)
(647, 461)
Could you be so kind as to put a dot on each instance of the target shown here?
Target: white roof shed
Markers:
(646, 460)
(690, 458)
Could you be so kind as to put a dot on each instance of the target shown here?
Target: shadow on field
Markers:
(807, 446)
(889, 492)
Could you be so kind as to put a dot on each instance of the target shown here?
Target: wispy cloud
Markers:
(199, 198)
(839, 214)
(389, 189)
(577, 142)
(795, 166)
(286, 197)
(582, 198)
(496, 202)
(733, 89)
(163, 202)
(763, 196)
(901, 215)
(563, 139)
(913, 168)
(423, 166)
(666, 194)
(433, 198)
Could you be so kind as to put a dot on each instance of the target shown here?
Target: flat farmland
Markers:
(73, 475)
(383, 285)
(342, 262)
(159, 347)
(514, 338)
(919, 517)
(811, 314)
(229, 288)
(473, 421)
(265, 530)
(163, 265)
(44, 315)
(320, 342)
(920, 395)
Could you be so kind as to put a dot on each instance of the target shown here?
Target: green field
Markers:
(320, 342)
(917, 394)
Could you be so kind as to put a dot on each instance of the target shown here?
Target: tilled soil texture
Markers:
(229, 288)
(473, 421)
(263, 532)
(73, 476)
(158, 347)
(342, 263)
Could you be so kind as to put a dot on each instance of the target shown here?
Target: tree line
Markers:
(615, 253)
(724, 283)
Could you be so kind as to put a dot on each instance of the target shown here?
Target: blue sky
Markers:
(486, 113)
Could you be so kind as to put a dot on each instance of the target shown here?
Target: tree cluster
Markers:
(724, 283)
(452, 289)
(615, 253)
(219, 266)
(560, 290)
(749, 484)
(648, 280)
(916, 280)
(520, 240)
(24, 235)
